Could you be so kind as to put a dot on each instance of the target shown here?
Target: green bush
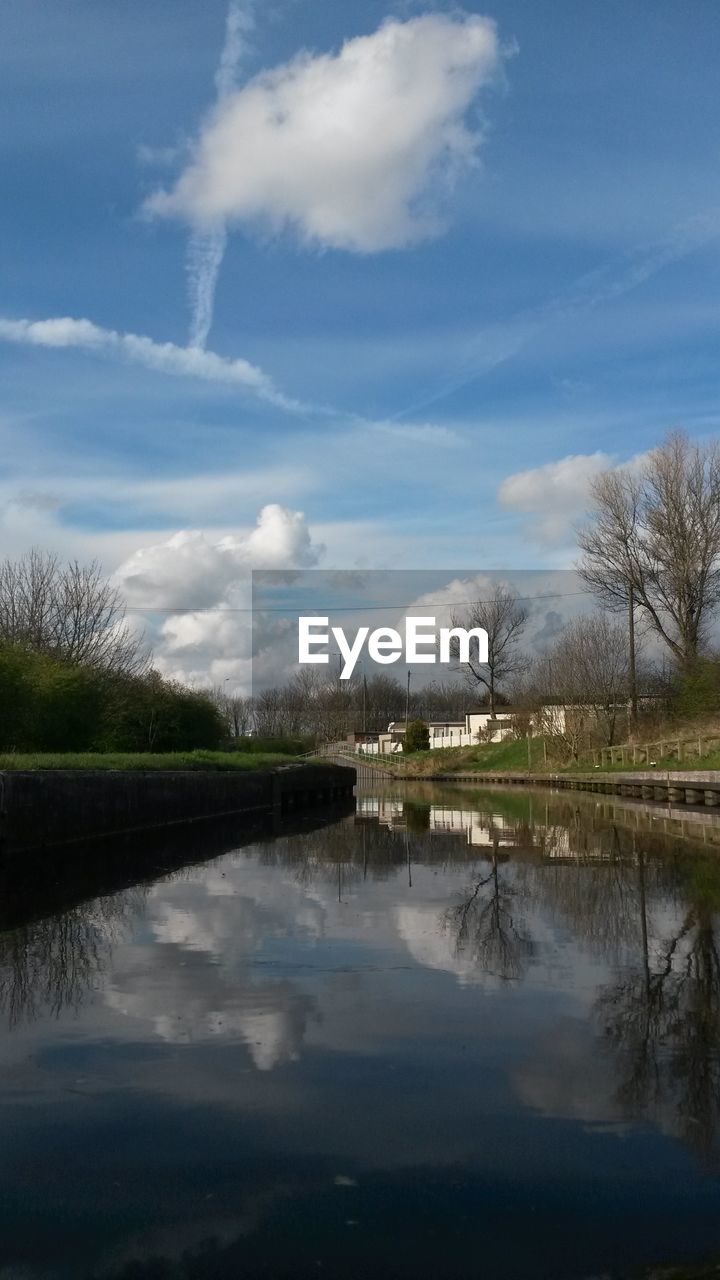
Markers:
(417, 737)
(68, 703)
(16, 699)
(48, 704)
(151, 714)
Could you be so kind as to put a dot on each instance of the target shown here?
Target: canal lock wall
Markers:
(54, 806)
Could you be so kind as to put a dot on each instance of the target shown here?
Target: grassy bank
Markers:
(136, 761)
(509, 757)
(512, 757)
(659, 764)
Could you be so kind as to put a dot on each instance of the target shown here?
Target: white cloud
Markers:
(190, 569)
(343, 148)
(555, 495)
(204, 585)
(447, 602)
(163, 357)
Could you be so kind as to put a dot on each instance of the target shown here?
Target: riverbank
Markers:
(691, 787)
(44, 807)
(530, 759)
(143, 761)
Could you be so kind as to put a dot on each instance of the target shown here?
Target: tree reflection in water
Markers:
(485, 929)
(51, 965)
(662, 1016)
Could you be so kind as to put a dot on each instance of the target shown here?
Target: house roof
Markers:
(499, 711)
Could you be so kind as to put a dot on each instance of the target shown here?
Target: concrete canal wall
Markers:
(51, 806)
(40, 881)
(691, 787)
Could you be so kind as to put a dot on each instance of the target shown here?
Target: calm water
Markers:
(456, 1034)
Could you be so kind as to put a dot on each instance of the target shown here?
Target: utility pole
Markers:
(631, 649)
(407, 703)
(364, 703)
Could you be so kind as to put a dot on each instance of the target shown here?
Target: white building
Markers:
(477, 726)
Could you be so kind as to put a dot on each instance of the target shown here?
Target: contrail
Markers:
(240, 22)
(206, 248)
(203, 260)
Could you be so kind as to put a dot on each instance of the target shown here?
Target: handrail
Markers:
(358, 758)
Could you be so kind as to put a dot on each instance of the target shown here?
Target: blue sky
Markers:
(439, 401)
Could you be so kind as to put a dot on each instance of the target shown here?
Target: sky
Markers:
(353, 286)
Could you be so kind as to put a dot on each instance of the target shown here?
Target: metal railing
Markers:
(370, 764)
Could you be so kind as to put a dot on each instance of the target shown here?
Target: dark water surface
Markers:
(460, 1033)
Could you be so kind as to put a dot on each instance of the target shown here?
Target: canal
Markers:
(454, 1033)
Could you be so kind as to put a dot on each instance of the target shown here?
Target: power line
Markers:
(335, 608)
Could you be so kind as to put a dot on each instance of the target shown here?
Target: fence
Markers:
(648, 752)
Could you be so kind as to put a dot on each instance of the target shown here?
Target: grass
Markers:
(510, 757)
(135, 761)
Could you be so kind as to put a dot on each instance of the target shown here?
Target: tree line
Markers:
(74, 676)
(315, 707)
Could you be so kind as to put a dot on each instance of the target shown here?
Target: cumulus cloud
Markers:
(190, 569)
(348, 149)
(203, 585)
(163, 357)
(555, 495)
(445, 603)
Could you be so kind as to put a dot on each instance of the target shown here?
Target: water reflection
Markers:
(486, 927)
(49, 966)
(662, 1013)
(431, 989)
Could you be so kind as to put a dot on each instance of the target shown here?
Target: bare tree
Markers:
(503, 618)
(268, 711)
(590, 663)
(655, 542)
(235, 709)
(70, 611)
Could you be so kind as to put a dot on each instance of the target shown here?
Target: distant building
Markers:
(478, 726)
(445, 733)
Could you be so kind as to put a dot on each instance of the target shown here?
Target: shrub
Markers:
(50, 704)
(417, 737)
